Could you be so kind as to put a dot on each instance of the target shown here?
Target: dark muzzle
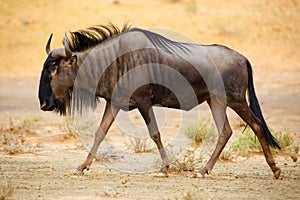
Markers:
(47, 105)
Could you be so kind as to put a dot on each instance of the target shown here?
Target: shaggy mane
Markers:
(82, 40)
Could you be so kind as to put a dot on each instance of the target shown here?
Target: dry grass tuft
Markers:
(140, 145)
(200, 131)
(13, 137)
(248, 143)
(6, 188)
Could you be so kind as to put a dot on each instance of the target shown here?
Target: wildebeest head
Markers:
(57, 78)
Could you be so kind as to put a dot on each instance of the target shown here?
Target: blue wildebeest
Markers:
(135, 68)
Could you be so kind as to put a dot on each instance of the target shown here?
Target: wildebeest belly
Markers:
(183, 98)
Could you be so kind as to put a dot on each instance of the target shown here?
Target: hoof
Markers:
(79, 170)
(199, 175)
(202, 172)
(161, 175)
(163, 172)
(277, 173)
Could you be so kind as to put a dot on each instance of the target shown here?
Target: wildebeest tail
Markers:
(254, 106)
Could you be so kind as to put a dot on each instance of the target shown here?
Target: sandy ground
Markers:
(47, 176)
(44, 171)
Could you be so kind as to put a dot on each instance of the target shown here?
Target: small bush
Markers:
(286, 142)
(187, 161)
(13, 137)
(200, 131)
(226, 155)
(30, 123)
(183, 162)
(248, 142)
(284, 138)
(296, 149)
(140, 145)
(188, 196)
(6, 189)
(191, 159)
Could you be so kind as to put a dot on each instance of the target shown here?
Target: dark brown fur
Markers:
(213, 69)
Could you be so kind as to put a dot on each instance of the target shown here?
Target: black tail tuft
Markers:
(254, 106)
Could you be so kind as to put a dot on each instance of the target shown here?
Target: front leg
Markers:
(146, 111)
(107, 119)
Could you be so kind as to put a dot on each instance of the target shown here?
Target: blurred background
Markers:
(265, 31)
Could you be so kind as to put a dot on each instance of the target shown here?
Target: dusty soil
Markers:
(49, 154)
(38, 151)
(47, 176)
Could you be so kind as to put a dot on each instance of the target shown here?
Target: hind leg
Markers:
(219, 114)
(243, 110)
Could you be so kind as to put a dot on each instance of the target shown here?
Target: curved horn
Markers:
(67, 47)
(48, 44)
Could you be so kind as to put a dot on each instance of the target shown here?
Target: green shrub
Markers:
(285, 139)
(248, 142)
(200, 131)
